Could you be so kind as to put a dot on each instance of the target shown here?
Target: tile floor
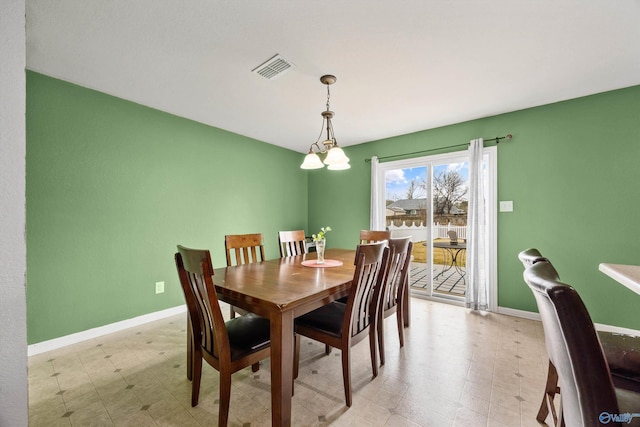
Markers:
(457, 368)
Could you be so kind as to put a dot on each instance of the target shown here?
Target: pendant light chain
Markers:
(328, 98)
(335, 158)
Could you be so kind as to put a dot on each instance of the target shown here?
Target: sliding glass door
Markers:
(427, 198)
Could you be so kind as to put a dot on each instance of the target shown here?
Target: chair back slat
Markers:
(397, 272)
(373, 236)
(246, 248)
(371, 263)
(195, 271)
(292, 243)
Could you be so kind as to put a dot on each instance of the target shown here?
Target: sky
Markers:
(397, 180)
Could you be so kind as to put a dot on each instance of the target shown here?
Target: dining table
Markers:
(282, 289)
(627, 275)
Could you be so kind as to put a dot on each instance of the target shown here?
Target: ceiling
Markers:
(401, 66)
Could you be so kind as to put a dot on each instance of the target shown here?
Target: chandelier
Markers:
(335, 158)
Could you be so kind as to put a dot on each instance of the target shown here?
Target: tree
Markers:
(449, 188)
(411, 190)
(416, 190)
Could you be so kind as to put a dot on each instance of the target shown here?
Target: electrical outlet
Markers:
(159, 287)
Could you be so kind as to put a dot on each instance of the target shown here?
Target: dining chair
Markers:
(243, 249)
(344, 325)
(372, 236)
(368, 236)
(227, 346)
(588, 396)
(292, 243)
(393, 289)
(621, 351)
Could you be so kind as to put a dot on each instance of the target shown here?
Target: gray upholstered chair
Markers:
(576, 359)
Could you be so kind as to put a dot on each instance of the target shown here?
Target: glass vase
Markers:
(320, 251)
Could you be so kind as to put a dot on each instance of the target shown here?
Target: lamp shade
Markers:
(336, 156)
(339, 166)
(311, 161)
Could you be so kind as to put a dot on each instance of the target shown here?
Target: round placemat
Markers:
(327, 263)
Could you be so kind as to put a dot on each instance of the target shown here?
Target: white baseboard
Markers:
(519, 313)
(55, 343)
(599, 326)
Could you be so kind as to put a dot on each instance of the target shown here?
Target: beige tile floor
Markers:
(457, 368)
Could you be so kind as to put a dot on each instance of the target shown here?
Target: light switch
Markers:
(159, 287)
(506, 206)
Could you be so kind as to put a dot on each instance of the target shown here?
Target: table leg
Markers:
(447, 265)
(457, 266)
(281, 368)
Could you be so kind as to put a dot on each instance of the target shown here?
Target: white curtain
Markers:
(375, 195)
(477, 246)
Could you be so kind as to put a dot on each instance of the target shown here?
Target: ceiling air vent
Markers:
(273, 68)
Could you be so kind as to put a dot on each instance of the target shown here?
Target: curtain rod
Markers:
(497, 140)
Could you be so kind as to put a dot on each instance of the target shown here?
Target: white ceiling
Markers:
(402, 66)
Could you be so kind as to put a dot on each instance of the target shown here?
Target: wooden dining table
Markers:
(282, 289)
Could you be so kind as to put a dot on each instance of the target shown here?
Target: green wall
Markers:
(572, 172)
(113, 186)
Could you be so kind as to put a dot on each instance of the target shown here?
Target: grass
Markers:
(419, 253)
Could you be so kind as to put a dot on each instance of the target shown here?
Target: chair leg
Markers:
(346, 374)
(225, 397)
(232, 314)
(327, 349)
(550, 390)
(196, 376)
(399, 317)
(406, 305)
(373, 349)
(255, 367)
(189, 350)
(560, 422)
(380, 329)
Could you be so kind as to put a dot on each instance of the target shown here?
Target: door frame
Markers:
(491, 188)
